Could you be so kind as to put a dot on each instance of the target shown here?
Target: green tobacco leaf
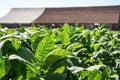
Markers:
(74, 46)
(35, 39)
(2, 66)
(65, 38)
(26, 54)
(30, 65)
(66, 28)
(56, 55)
(91, 75)
(59, 67)
(10, 31)
(97, 33)
(5, 47)
(16, 44)
(84, 74)
(95, 75)
(44, 47)
(32, 73)
(97, 46)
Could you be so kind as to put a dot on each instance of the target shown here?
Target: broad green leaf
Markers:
(35, 39)
(98, 77)
(113, 42)
(84, 74)
(6, 47)
(26, 54)
(95, 75)
(97, 33)
(17, 67)
(97, 46)
(74, 46)
(61, 69)
(2, 66)
(10, 31)
(56, 55)
(16, 44)
(44, 47)
(32, 74)
(59, 46)
(30, 65)
(91, 75)
(20, 78)
(66, 28)
(65, 38)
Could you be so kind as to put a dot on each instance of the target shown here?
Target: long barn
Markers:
(88, 16)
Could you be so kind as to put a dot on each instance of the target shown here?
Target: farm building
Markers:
(88, 16)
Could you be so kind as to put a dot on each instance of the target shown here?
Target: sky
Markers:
(6, 5)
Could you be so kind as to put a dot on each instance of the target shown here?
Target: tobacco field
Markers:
(65, 53)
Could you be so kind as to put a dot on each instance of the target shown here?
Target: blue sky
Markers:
(6, 5)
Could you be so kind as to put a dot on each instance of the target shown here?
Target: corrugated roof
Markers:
(108, 14)
(22, 15)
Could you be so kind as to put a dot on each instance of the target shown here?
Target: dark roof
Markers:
(110, 14)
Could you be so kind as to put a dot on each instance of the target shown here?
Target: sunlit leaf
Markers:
(44, 47)
(65, 38)
(56, 55)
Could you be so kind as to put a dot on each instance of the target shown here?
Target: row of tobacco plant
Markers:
(65, 53)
